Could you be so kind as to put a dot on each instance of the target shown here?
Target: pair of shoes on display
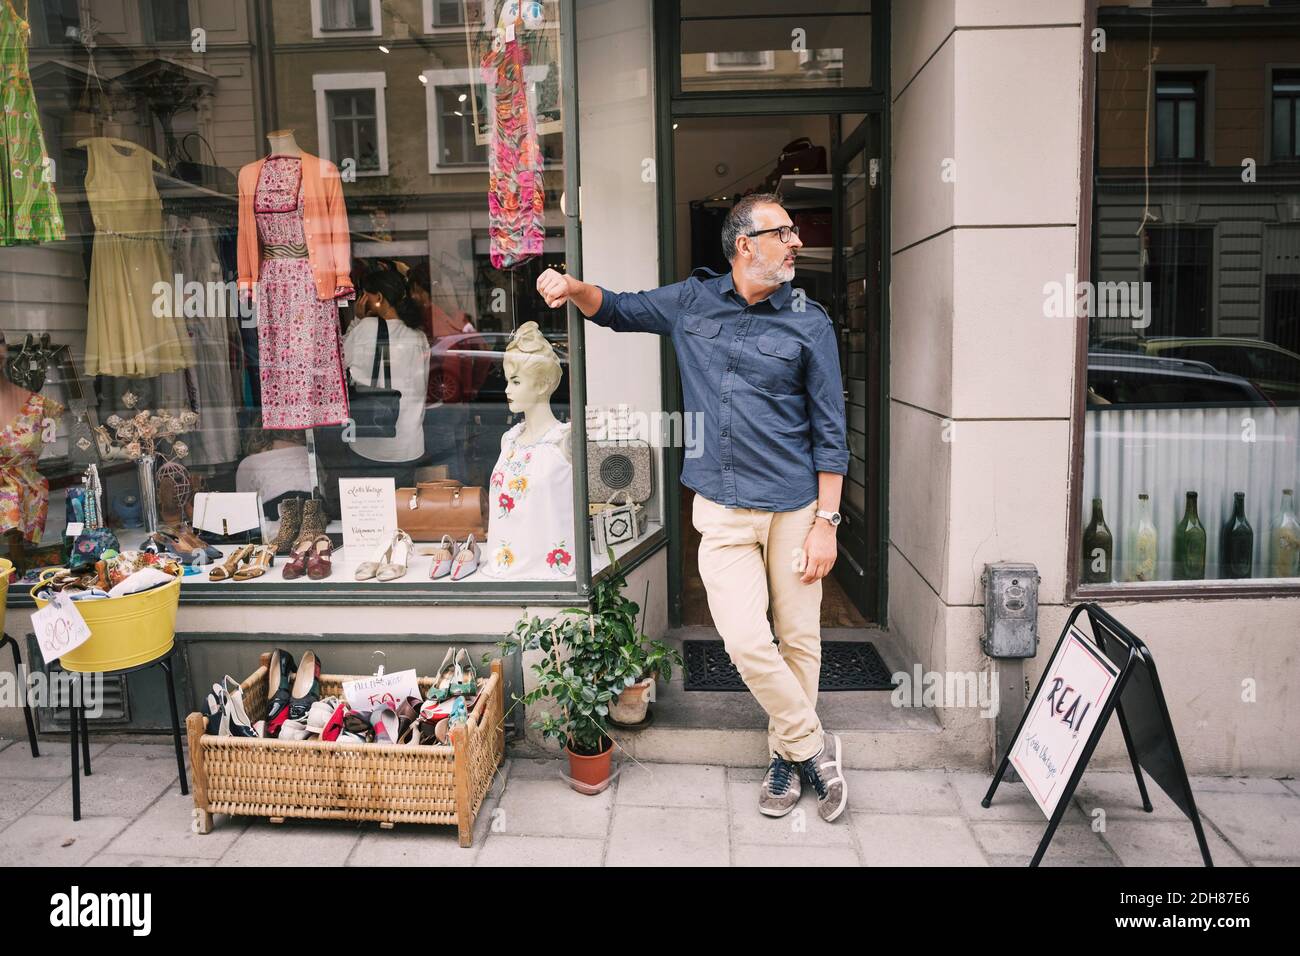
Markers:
(183, 543)
(455, 677)
(291, 692)
(458, 559)
(226, 714)
(299, 518)
(781, 788)
(390, 562)
(312, 556)
(246, 562)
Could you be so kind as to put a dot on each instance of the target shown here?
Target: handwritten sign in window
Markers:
(369, 507)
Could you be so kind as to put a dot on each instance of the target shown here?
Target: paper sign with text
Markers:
(1061, 716)
(368, 694)
(369, 507)
(59, 628)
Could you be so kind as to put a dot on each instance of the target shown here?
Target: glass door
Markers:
(857, 276)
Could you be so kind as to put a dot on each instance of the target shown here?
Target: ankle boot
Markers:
(314, 519)
(290, 525)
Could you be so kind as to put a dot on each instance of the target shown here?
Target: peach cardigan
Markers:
(324, 223)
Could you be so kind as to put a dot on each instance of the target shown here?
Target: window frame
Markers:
(1203, 79)
(151, 30)
(1075, 589)
(1272, 71)
(376, 82)
(441, 79)
(319, 31)
(433, 29)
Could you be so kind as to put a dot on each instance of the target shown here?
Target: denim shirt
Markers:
(763, 379)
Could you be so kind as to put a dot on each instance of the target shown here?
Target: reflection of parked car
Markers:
(1273, 370)
(1127, 378)
(471, 367)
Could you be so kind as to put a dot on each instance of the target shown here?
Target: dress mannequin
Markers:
(283, 143)
(530, 532)
(25, 418)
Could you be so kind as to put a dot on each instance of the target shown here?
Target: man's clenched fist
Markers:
(556, 287)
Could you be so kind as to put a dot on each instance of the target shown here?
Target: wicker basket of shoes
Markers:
(320, 780)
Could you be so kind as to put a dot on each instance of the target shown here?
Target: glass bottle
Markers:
(1237, 545)
(1098, 546)
(1284, 550)
(1143, 543)
(1189, 544)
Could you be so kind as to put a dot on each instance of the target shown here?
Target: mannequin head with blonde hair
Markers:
(532, 369)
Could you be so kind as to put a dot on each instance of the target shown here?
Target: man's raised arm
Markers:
(654, 311)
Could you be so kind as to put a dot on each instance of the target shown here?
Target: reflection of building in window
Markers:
(351, 113)
(1180, 270)
(1286, 115)
(446, 13)
(168, 20)
(739, 61)
(458, 116)
(342, 17)
(1180, 99)
(455, 143)
(823, 61)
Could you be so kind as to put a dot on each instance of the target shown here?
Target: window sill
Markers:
(1187, 590)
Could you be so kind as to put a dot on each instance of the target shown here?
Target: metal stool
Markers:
(81, 732)
(27, 708)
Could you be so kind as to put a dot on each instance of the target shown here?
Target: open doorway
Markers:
(827, 168)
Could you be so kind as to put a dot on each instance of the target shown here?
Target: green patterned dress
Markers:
(29, 210)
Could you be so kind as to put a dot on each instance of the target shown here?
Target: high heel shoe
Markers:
(306, 687)
(466, 560)
(279, 680)
(442, 558)
(395, 567)
(318, 559)
(368, 569)
(228, 568)
(297, 565)
(259, 562)
(465, 677)
(442, 677)
(290, 525)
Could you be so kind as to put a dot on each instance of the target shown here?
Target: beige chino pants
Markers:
(746, 561)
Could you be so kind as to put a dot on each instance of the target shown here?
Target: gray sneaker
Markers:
(781, 788)
(825, 773)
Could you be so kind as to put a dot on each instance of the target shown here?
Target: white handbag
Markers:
(617, 524)
(228, 517)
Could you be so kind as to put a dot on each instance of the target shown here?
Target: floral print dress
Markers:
(29, 210)
(24, 492)
(530, 504)
(297, 333)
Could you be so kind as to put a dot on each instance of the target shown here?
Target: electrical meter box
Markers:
(1010, 610)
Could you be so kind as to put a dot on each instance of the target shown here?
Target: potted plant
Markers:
(590, 656)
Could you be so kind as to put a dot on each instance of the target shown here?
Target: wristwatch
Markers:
(832, 516)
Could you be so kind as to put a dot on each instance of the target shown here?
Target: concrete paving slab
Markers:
(149, 751)
(128, 859)
(17, 797)
(55, 761)
(1011, 802)
(549, 807)
(1237, 785)
(1116, 792)
(39, 839)
(306, 843)
(671, 785)
(118, 787)
(1260, 825)
(536, 769)
(794, 857)
(166, 829)
(801, 827)
(900, 839)
(901, 791)
(413, 845)
(526, 851)
(1072, 845)
(668, 836)
(1165, 843)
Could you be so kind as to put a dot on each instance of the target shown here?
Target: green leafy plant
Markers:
(590, 656)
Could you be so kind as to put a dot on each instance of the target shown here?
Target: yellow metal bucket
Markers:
(6, 566)
(124, 632)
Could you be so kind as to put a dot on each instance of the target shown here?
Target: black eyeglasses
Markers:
(782, 232)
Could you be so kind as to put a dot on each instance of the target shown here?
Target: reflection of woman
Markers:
(26, 419)
(454, 375)
(276, 467)
(385, 299)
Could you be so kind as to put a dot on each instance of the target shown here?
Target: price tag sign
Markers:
(59, 628)
(74, 529)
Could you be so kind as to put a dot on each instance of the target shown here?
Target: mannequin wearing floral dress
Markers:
(530, 494)
(27, 421)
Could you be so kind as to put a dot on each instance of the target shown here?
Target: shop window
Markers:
(1286, 115)
(345, 17)
(1191, 452)
(351, 112)
(1180, 100)
(265, 395)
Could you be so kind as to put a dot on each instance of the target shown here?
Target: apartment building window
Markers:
(1286, 115)
(345, 18)
(350, 109)
(169, 20)
(456, 111)
(1180, 112)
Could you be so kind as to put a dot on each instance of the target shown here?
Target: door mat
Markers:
(846, 665)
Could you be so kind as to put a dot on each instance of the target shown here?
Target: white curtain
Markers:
(1168, 452)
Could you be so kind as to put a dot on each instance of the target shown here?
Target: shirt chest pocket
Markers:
(700, 341)
(774, 365)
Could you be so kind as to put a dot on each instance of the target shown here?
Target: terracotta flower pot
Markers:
(590, 771)
(631, 705)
